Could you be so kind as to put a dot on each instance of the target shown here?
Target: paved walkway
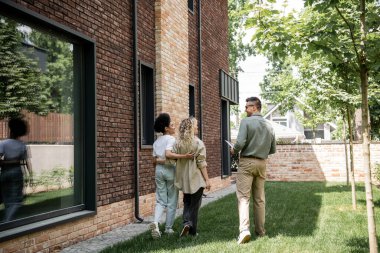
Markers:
(103, 241)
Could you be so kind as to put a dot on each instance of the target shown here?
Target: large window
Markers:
(47, 78)
(147, 104)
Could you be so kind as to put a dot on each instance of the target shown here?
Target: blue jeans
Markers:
(12, 184)
(166, 194)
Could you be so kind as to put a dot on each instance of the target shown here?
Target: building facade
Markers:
(111, 67)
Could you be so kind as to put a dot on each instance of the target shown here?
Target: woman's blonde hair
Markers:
(186, 134)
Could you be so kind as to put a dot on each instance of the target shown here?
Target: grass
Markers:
(37, 203)
(301, 217)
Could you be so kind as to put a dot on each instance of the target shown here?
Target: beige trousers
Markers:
(251, 177)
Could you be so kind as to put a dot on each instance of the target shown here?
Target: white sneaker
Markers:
(169, 231)
(154, 230)
(244, 237)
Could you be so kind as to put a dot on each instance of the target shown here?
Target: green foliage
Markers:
(70, 177)
(20, 78)
(55, 177)
(238, 50)
(376, 170)
(374, 108)
(338, 133)
(315, 56)
(58, 176)
(59, 74)
(44, 179)
(23, 85)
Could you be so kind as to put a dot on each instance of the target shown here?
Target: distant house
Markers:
(287, 126)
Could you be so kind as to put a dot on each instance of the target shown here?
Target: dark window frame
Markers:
(225, 135)
(147, 115)
(85, 123)
(190, 6)
(191, 100)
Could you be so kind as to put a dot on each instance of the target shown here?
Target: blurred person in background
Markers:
(13, 156)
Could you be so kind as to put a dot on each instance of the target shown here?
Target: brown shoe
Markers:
(185, 231)
(260, 235)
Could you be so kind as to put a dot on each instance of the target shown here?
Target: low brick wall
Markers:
(318, 162)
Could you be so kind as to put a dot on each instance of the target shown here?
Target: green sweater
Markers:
(256, 137)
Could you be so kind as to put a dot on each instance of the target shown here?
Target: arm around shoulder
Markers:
(171, 155)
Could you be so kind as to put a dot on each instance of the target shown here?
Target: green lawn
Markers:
(37, 203)
(301, 217)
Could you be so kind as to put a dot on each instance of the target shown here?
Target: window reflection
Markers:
(37, 84)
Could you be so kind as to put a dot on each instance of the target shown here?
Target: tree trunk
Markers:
(365, 132)
(345, 149)
(352, 170)
(357, 118)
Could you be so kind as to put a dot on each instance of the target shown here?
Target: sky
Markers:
(254, 66)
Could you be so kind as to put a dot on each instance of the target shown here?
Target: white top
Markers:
(163, 143)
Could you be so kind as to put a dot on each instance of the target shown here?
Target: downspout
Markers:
(136, 111)
(200, 102)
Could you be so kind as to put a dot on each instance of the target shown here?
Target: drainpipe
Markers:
(135, 117)
(200, 103)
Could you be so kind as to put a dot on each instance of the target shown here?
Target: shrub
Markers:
(376, 172)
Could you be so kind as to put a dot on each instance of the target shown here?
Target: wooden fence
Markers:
(54, 128)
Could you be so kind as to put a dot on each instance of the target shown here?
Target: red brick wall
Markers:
(147, 54)
(325, 162)
(109, 23)
(214, 57)
(193, 53)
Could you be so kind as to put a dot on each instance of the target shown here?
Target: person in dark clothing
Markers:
(13, 155)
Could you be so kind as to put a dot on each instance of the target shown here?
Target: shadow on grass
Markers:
(358, 245)
(292, 209)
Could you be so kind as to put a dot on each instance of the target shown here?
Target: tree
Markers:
(59, 74)
(330, 31)
(238, 50)
(20, 78)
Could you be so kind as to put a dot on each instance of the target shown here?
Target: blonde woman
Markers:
(191, 174)
(166, 192)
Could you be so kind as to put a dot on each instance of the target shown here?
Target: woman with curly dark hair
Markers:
(166, 192)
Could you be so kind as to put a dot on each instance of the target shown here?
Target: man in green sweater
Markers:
(256, 140)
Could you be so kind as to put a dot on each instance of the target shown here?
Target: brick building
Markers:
(119, 64)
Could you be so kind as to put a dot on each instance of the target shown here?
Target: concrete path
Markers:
(121, 234)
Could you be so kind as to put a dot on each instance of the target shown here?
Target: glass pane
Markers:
(37, 84)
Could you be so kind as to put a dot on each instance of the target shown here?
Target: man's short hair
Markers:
(256, 101)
